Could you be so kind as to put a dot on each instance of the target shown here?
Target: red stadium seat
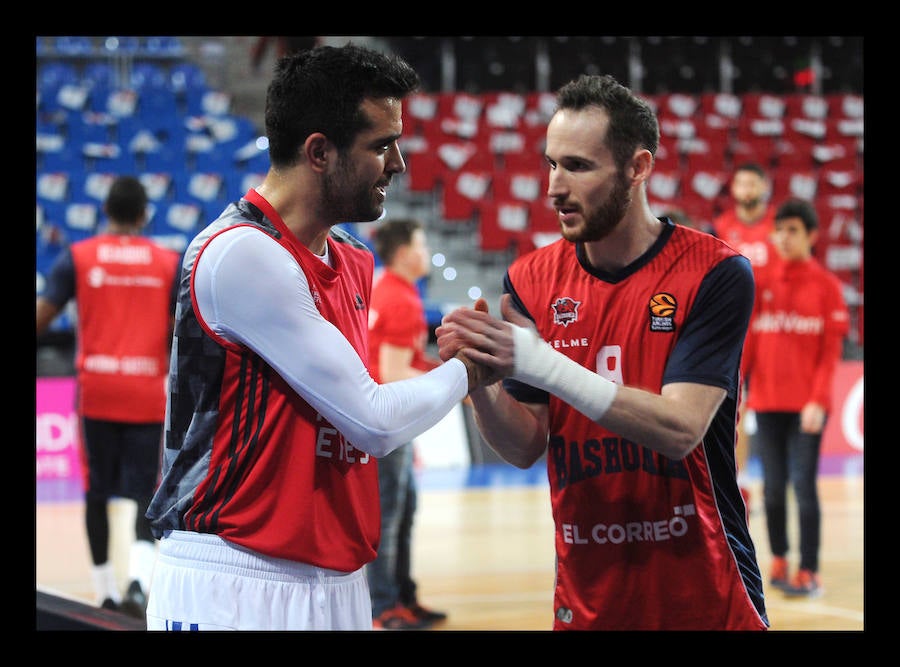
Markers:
(802, 105)
(520, 186)
(846, 105)
(705, 153)
(794, 153)
(664, 186)
(763, 105)
(755, 149)
(677, 105)
(837, 154)
(788, 183)
(463, 193)
(502, 224)
(724, 105)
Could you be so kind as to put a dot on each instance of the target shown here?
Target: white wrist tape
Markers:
(539, 365)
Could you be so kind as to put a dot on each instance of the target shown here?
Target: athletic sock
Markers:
(105, 585)
(141, 559)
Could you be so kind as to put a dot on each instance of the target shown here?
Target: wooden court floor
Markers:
(485, 556)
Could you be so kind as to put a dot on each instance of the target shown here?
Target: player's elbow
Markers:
(679, 447)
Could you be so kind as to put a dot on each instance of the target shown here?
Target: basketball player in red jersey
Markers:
(748, 227)
(621, 356)
(123, 286)
(268, 508)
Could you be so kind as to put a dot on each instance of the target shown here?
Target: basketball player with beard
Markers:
(620, 353)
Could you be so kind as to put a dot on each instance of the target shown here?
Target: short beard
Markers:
(344, 204)
(605, 219)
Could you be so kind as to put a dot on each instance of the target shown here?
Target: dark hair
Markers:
(755, 167)
(799, 208)
(632, 122)
(391, 235)
(321, 90)
(126, 202)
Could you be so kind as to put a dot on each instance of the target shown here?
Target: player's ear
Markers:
(640, 166)
(316, 149)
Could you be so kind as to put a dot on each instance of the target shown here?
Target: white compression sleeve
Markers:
(539, 365)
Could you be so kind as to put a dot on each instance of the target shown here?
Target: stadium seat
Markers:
(459, 105)
(518, 185)
(724, 105)
(53, 185)
(664, 186)
(705, 153)
(677, 105)
(709, 183)
(753, 149)
(837, 154)
(846, 105)
(82, 219)
(763, 105)
(803, 105)
(148, 76)
(789, 183)
(794, 153)
(424, 171)
(502, 223)
(157, 184)
(463, 192)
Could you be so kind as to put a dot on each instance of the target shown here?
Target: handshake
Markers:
(483, 343)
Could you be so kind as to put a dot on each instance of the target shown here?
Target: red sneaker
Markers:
(427, 616)
(778, 574)
(805, 583)
(398, 618)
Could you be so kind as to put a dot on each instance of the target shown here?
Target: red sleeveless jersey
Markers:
(247, 458)
(644, 542)
(123, 294)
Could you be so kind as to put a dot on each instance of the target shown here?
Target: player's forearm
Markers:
(510, 429)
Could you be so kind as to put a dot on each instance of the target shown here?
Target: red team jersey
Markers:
(644, 542)
(397, 317)
(123, 283)
(753, 241)
(796, 337)
(305, 493)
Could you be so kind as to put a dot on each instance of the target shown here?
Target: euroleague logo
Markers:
(662, 312)
(565, 311)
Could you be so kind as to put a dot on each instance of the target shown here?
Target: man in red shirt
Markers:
(792, 349)
(748, 228)
(124, 287)
(398, 334)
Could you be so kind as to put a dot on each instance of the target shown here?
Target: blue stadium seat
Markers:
(187, 76)
(148, 75)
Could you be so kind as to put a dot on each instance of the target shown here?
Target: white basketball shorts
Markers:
(202, 582)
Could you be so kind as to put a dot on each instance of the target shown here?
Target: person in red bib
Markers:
(795, 342)
(123, 286)
(268, 508)
(620, 351)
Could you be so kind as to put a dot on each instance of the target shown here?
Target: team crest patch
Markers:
(662, 312)
(565, 311)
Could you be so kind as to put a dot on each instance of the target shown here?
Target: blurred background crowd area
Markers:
(185, 114)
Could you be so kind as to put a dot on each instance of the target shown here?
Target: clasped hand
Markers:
(473, 335)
